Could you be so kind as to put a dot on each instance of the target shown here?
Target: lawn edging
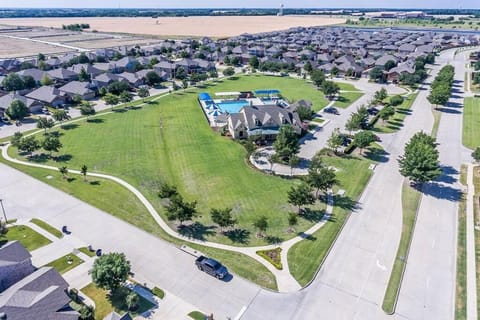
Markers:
(394, 286)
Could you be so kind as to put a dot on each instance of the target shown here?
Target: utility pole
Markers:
(3, 209)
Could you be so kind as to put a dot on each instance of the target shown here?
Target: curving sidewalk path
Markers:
(285, 281)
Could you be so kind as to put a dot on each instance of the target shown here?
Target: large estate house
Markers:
(264, 121)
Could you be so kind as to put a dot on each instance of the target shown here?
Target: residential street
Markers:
(351, 283)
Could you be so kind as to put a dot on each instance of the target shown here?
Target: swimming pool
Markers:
(232, 106)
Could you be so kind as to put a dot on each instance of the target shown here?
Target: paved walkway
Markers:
(285, 281)
(471, 258)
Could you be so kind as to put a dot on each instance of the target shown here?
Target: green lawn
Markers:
(85, 250)
(184, 151)
(291, 89)
(197, 315)
(45, 226)
(106, 303)
(345, 99)
(62, 264)
(476, 182)
(305, 257)
(410, 202)
(471, 122)
(461, 283)
(395, 123)
(29, 238)
(346, 86)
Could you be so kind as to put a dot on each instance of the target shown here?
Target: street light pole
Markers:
(3, 209)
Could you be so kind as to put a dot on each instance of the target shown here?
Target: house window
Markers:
(258, 123)
(240, 134)
(284, 121)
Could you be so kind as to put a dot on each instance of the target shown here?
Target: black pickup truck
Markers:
(211, 267)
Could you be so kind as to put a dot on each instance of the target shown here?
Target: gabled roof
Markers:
(62, 74)
(6, 100)
(45, 94)
(76, 87)
(115, 316)
(36, 74)
(40, 295)
(13, 252)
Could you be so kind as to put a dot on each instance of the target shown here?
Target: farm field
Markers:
(23, 48)
(222, 26)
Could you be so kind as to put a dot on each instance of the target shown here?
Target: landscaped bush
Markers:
(158, 292)
(396, 100)
(272, 256)
(167, 191)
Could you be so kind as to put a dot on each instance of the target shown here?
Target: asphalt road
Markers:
(353, 279)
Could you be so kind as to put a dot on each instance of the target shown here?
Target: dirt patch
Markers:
(184, 26)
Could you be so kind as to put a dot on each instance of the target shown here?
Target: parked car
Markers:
(211, 266)
(372, 111)
(331, 110)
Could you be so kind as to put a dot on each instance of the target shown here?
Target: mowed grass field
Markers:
(170, 141)
(471, 122)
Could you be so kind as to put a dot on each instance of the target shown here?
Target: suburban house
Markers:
(33, 106)
(62, 75)
(15, 264)
(115, 316)
(133, 79)
(261, 120)
(89, 69)
(36, 74)
(393, 75)
(48, 96)
(77, 88)
(27, 293)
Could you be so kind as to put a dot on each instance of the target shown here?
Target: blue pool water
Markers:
(232, 106)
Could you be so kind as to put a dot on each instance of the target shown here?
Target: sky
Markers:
(471, 4)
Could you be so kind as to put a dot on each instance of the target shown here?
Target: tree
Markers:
(86, 312)
(28, 144)
(330, 88)
(420, 160)
(17, 110)
(102, 91)
(254, 63)
(110, 271)
(17, 137)
(334, 72)
(29, 82)
(180, 74)
(87, 110)
(84, 169)
(111, 99)
(152, 78)
(117, 87)
(335, 141)
(396, 100)
(45, 123)
(286, 143)
(363, 139)
(41, 57)
(308, 67)
(223, 217)
(389, 65)
(180, 210)
(304, 113)
(354, 123)
(125, 97)
(386, 113)
(292, 220)
(261, 223)
(380, 95)
(317, 77)
(131, 300)
(51, 143)
(300, 195)
(83, 75)
(13, 82)
(292, 162)
(184, 84)
(321, 178)
(64, 171)
(46, 81)
(60, 115)
(376, 74)
(143, 93)
(228, 72)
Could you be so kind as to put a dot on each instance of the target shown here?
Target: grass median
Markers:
(345, 99)
(461, 277)
(471, 122)
(395, 123)
(410, 202)
(45, 226)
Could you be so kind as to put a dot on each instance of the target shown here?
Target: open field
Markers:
(23, 48)
(184, 151)
(184, 26)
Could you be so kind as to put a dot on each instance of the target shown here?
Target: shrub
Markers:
(272, 256)
(167, 191)
(158, 292)
(396, 100)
